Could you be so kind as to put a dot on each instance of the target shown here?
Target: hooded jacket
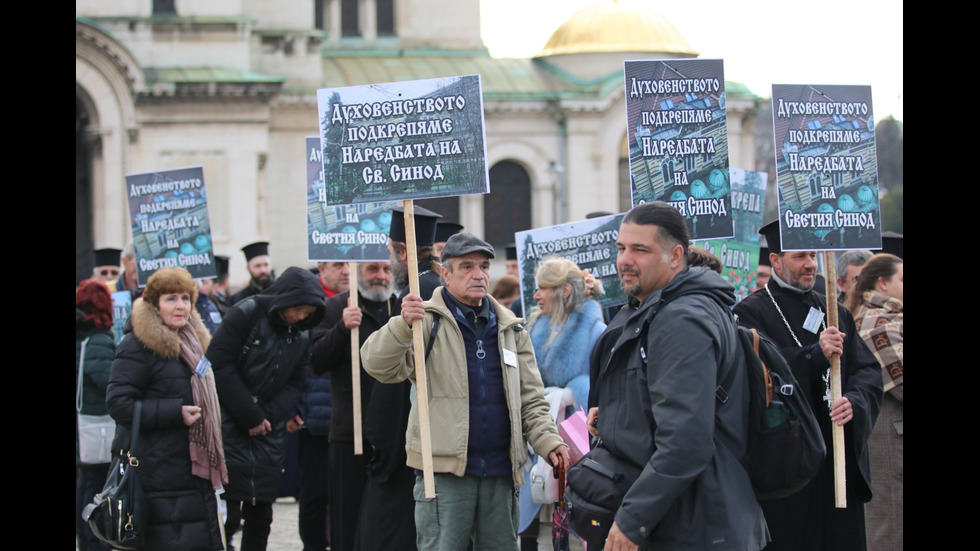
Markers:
(658, 409)
(182, 510)
(260, 364)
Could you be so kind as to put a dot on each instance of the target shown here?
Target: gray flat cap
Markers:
(462, 244)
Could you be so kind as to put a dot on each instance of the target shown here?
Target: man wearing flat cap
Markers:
(790, 311)
(486, 402)
(259, 267)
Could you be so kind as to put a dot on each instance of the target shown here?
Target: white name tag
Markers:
(813, 319)
(202, 366)
(510, 358)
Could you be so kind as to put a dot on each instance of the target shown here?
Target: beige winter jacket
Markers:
(387, 356)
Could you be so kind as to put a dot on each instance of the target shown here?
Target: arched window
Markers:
(508, 207)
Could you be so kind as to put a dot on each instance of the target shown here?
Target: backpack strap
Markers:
(432, 335)
(249, 309)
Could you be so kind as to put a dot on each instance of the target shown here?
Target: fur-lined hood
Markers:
(145, 322)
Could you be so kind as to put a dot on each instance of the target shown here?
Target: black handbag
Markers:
(596, 486)
(115, 512)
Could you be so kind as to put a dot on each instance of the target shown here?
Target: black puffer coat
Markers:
(260, 365)
(182, 509)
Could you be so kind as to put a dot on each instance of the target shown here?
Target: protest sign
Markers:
(122, 306)
(403, 140)
(342, 233)
(678, 140)
(169, 214)
(826, 167)
(591, 244)
(740, 255)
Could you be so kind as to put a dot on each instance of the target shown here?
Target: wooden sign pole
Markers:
(840, 473)
(421, 384)
(355, 365)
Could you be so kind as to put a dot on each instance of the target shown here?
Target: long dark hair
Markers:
(881, 265)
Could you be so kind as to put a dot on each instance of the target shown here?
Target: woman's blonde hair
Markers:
(554, 273)
(169, 280)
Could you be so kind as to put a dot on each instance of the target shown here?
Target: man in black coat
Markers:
(791, 312)
(260, 355)
(332, 353)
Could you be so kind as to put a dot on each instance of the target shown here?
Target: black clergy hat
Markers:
(445, 230)
(425, 226)
(771, 232)
(107, 257)
(892, 243)
(764, 256)
(511, 252)
(222, 264)
(258, 248)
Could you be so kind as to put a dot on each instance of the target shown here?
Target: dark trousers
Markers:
(347, 474)
(89, 480)
(314, 490)
(255, 521)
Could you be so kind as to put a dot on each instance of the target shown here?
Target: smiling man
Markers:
(486, 402)
(793, 314)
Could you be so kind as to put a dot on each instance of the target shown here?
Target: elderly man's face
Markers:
(375, 281)
(762, 275)
(105, 274)
(468, 277)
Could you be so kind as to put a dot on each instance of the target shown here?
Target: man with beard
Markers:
(655, 389)
(791, 312)
(346, 472)
(259, 268)
(425, 238)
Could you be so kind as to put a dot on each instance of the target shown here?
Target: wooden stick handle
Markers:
(840, 472)
(421, 383)
(355, 366)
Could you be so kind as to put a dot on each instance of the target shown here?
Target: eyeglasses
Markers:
(109, 271)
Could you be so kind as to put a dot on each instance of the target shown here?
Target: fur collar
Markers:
(561, 360)
(161, 340)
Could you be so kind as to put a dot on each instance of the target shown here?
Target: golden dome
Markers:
(616, 26)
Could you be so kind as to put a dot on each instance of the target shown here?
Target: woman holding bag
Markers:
(94, 348)
(563, 327)
(181, 460)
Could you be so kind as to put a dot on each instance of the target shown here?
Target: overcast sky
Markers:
(763, 42)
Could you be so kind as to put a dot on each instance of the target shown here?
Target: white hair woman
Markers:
(563, 326)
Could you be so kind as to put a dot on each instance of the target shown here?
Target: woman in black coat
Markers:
(261, 355)
(181, 460)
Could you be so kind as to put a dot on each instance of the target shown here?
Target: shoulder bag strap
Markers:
(81, 370)
(134, 433)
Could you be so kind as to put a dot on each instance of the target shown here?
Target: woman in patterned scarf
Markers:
(181, 458)
(877, 301)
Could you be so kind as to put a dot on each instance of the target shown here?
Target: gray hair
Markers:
(856, 257)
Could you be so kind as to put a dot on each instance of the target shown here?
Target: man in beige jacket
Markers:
(486, 403)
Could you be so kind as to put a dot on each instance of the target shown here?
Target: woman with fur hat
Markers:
(181, 459)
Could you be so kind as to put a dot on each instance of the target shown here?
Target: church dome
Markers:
(617, 26)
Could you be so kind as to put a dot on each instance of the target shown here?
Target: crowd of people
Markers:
(226, 380)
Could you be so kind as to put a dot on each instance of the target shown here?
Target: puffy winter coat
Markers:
(182, 509)
(260, 365)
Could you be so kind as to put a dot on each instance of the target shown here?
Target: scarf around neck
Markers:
(881, 324)
(206, 447)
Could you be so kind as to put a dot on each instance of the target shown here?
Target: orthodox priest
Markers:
(793, 314)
